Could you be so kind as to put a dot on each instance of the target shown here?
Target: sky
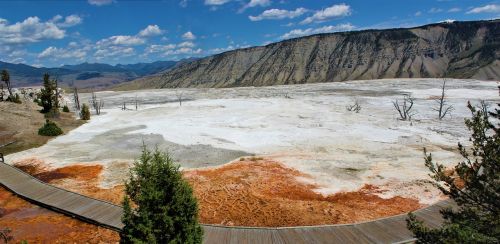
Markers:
(54, 33)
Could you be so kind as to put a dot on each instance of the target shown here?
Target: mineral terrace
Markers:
(271, 156)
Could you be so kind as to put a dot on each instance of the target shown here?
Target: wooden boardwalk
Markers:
(386, 230)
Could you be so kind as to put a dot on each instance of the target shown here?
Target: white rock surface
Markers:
(310, 131)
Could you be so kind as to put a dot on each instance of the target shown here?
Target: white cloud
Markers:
(183, 50)
(335, 11)
(186, 44)
(490, 8)
(448, 21)
(188, 36)
(100, 2)
(151, 30)
(183, 3)
(159, 48)
(56, 18)
(127, 40)
(121, 40)
(435, 10)
(418, 13)
(216, 2)
(255, 3)
(29, 31)
(12, 55)
(278, 14)
(324, 29)
(62, 53)
(155, 48)
(454, 10)
(113, 51)
(69, 21)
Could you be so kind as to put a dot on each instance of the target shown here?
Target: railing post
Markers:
(1, 158)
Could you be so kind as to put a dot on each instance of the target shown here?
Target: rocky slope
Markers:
(458, 49)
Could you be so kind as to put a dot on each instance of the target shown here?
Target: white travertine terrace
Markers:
(306, 127)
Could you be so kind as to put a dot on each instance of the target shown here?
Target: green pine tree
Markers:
(85, 112)
(476, 191)
(5, 76)
(47, 94)
(165, 210)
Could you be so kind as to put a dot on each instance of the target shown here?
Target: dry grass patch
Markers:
(19, 123)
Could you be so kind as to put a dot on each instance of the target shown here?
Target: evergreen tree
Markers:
(85, 113)
(165, 210)
(475, 187)
(47, 94)
(6, 78)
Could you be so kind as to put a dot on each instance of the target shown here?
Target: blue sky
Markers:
(52, 33)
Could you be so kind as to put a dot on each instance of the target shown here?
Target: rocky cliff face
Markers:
(458, 50)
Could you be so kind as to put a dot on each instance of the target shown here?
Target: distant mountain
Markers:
(458, 49)
(96, 67)
(85, 75)
(142, 69)
(28, 71)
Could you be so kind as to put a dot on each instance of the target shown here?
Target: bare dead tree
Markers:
(97, 104)
(2, 93)
(76, 99)
(484, 106)
(405, 109)
(56, 99)
(443, 108)
(179, 95)
(356, 107)
(124, 107)
(135, 102)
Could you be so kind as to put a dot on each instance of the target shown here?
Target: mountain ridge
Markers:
(84, 75)
(460, 49)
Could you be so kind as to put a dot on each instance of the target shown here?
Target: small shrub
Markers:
(66, 109)
(242, 159)
(85, 113)
(14, 98)
(50, 129)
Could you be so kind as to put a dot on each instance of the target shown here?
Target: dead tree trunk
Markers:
(1, 93)
(76, 99)
(405, 109)
(179, 97)
(56, 99)
(443, 108)
(97, 104)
